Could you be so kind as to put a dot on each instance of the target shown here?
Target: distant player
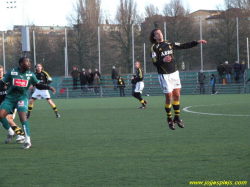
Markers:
(139, 85)
(11, 116)
(162, 53)
(44, 78)
(19, 79)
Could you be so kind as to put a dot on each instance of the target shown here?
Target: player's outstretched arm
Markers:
(41, 86)
(201, 41)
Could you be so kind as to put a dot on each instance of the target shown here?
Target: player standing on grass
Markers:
(139, 85)
(162, 53)
(19, 79)
(11, 116)
(44, 78)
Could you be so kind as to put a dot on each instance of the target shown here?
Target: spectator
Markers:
(97, 72)
(90, 78)
(243, 69)
(236, 68)
(121, 86)
(75, 75)
(96, 84)
(228, 72)
(114, 77)
(133, 82)
(213, 82)
(83, 80)
(221, 70)
(201, 79)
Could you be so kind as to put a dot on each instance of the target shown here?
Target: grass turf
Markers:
(110, 142)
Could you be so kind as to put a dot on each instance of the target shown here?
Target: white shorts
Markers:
(41, 94)
(169, 82)
(139, 87)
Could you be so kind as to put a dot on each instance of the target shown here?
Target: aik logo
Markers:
(165, 53)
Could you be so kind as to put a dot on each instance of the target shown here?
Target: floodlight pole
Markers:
(201, 43)
(247, 53)
(99, 49)
(133, 49)
(66, 54)
(3, 52)
(144, 48)
(238, 50)
(34, 46)
(165, 31)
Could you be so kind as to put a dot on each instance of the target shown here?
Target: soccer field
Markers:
(110, 142)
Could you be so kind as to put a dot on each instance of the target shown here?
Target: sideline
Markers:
(186, 109)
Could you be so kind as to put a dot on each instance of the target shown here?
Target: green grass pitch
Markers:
(110, 142)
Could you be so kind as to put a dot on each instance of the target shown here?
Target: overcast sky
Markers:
(54, 12)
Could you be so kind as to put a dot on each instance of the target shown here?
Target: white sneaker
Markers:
(26, 146)
(20, 139)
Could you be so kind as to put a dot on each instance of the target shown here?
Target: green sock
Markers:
(5, 123)
(26, 128)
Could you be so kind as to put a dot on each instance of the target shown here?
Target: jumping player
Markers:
(162, 53)
(44, 78)
(139, 85)
(19, 79)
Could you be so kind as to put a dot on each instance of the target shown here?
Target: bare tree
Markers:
(175, 9)
(151, 10)
(241, 4)
(181, 28)
(83, 36)
(126, 17)
(225, 30)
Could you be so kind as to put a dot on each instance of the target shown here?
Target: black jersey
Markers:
(139, 75)
(43, 77)
(162, 49)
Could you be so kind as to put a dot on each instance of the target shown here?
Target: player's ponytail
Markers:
(152, 35)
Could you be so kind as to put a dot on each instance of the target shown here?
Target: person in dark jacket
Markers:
(114, 77)
(221, 70)
(213, 83)
(121, 86)
(97, 72)
(228, 72)
(83, 80)
(75, 74)
(96, 82)
(90, 78)
(201, 79)
(236, 68)
(243, 69)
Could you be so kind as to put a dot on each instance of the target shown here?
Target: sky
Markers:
(54, 12)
